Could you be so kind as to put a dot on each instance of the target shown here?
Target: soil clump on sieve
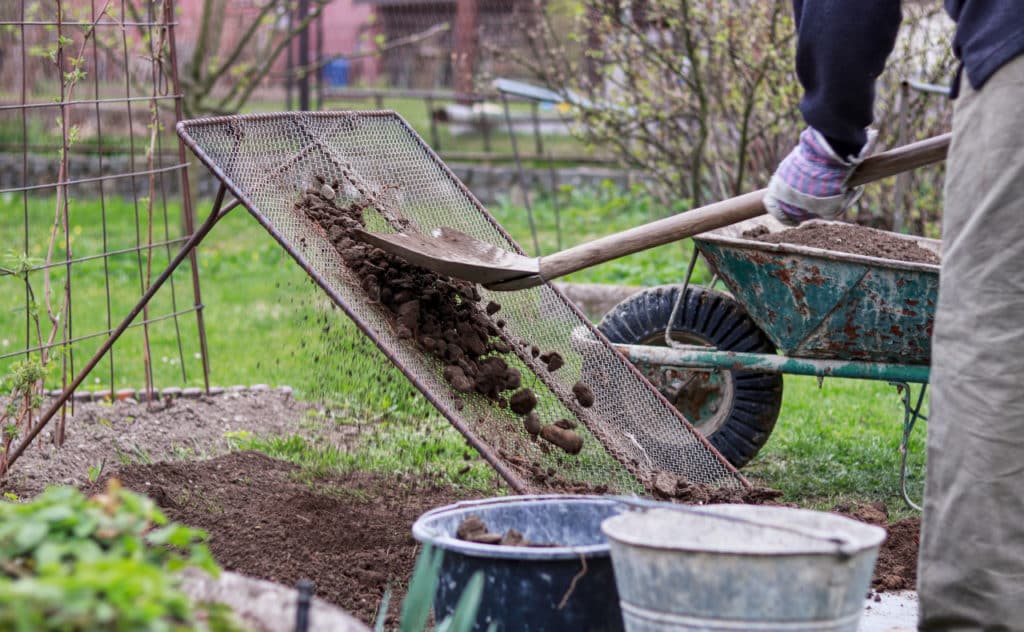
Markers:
(848, 238)
(351, 533)
(441, 316)
(474, 529)
(583, 394)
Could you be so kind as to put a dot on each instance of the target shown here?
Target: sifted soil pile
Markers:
(440, 315)
(849, 238)
(896, 568)
(350, 534)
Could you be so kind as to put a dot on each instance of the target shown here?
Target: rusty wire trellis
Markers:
(88, 102)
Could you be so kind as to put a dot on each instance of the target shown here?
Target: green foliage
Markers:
(429, 447)
(703, 96)
(840, 443)
(422, 585)
(419, 597)
(95, 471)
(68, 562)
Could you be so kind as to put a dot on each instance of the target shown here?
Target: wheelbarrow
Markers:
(719, 357)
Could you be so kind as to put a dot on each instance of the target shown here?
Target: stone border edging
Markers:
(170, 392)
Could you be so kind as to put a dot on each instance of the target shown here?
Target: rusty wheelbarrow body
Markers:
(720, 356)
(816, 303)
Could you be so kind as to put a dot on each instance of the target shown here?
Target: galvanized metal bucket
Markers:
(741, 567)
(568, 586)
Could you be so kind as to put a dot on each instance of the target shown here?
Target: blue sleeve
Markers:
(841, 50)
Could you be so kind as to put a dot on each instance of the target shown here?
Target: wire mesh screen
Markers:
(630, 434)
(93, 194)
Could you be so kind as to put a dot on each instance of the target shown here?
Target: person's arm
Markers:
(841, 50)
(842, 46)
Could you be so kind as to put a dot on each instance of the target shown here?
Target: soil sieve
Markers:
(631, 435)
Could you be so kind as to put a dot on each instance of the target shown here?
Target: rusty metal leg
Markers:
(910, 416)
(216, 214)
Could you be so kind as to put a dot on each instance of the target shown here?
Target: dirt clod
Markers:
(473, 529)
(455, 376)
(553, 359)
(583, 394)
(492, 308)
(848, 238)
(522, 402)
(471, 525)
(566, 439)
(532, 424)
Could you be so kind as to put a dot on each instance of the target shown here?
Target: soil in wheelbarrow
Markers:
(848, 238)
(442, 317)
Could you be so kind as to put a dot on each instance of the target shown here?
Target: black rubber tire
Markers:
(747, 420)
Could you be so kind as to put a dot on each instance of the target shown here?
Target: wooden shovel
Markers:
(455, 254)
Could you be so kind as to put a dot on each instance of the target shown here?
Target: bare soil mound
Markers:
(350, 534)
(102, 435)
(896, 568)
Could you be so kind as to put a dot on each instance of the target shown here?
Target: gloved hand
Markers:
(811, 181)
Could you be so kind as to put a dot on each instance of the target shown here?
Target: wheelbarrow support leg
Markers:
(216, 214)
(910, 416)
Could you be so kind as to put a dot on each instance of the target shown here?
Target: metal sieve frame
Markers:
(185, 130)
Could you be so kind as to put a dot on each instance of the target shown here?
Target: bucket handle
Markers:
(845, 548)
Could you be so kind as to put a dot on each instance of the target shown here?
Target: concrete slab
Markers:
(893, 612)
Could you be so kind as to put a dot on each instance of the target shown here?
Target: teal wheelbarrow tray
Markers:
(720, 356)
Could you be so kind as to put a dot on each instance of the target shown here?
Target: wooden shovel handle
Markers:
(726, 212)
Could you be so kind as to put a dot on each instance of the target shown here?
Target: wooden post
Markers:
(464, 53)
(304, 57)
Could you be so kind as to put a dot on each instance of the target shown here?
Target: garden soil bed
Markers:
(104, 435)
(849, 238)
(351, 534)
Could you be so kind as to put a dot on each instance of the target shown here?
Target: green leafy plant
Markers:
(95, 471)
(109, 562)
(23, 386)
(418, 599)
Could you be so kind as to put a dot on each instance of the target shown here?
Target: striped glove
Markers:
(811, 181)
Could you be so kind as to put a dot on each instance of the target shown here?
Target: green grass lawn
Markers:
(266, 323)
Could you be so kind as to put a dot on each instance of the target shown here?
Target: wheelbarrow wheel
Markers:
(736, 410)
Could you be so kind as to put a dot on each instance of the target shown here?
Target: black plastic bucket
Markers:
(530, 588)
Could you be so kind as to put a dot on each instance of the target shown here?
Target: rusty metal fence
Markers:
(93, 185)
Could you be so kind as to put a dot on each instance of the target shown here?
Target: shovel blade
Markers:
(455, 254)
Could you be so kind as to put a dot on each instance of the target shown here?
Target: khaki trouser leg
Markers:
(971, 566)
